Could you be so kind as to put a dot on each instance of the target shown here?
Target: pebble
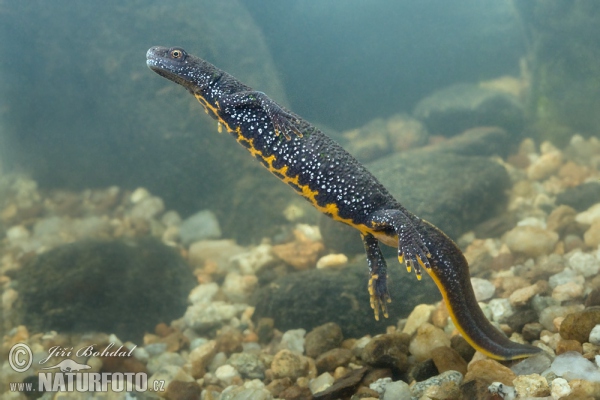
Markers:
(567, 291)
(204, 293)
(219, 252)
(238, 288)
(226, 374)
(591, 237)
(201, 356)
(147, 208)
(595, 335)
(521, 297)
(323, 338)
(165, 359)
(178, 390)
(572, 365)
(387, 350)
(204, 317)
(428, 338)
(560, 388)
(568, 345)
(588, 216)
(550, 313)
(251, 390)
(249, 365)
(566, 276)
(332, 359)
(293, 340)
(301, 254)
(332, 261)
(578, 324)
(500, 309)
(531, 241)
(251, 262)
(560, 218)
(449, 376)
(289, 364)
(483, 289)
(490, 371)
(201, 226)
(533, 385)
(585, 264)
(448, 359)
(535, 364)
(545, 165)
(397, 390)
(419, 315)
(320, 383)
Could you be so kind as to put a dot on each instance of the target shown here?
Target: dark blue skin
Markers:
(338, 185)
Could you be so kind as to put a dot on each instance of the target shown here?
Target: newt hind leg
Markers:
(411, 249)
(378, 291)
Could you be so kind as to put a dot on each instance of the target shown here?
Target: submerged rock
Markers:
(459, 107)
(311, 298)
(123, 287)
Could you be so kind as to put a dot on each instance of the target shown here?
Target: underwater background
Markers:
(125, 217)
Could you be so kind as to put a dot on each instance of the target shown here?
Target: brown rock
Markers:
(568, 345)
(376, 374)
(533, 385)
(323, 338)
(446, 359)
(200, 357)
(439, 316)
(289, 364)
(532, 331)
(178, 390)
(591, 237)
(343, 388)
(560, 218)
(490, 371)
(578, 325)
(229, 340)
(365, 392)
(296, 393)
(332, 359)
(593, 299)
(388, 350)
(264, 330)
(301, 254)
(521, 296)
(476, 389)
(278, 385)
(462, 347)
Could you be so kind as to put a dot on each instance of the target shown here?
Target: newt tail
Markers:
(335, 183)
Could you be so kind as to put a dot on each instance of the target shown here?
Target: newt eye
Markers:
(177, 53)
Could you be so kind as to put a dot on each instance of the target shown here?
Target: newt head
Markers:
(177, 65)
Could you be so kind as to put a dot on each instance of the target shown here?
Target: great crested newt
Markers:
(338, 185)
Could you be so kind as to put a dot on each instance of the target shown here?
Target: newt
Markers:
(338, 185)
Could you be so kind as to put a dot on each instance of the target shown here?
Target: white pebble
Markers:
(332, 261)
(226, 373)
(560, 388)
(567, 275)
(293, 340)
(595, 335)
(320, 383)
(588, 216)
(584, 263)
(138, 195)
(572, 365)
(501, 309)
(483, 289)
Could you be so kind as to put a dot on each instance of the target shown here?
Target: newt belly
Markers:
(336, 184)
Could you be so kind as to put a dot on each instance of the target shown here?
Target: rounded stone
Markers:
(531, 241)
(289, 364)
(428, 338)
(123, 287)
(579, 325)
(388, 350)
(323, 338)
